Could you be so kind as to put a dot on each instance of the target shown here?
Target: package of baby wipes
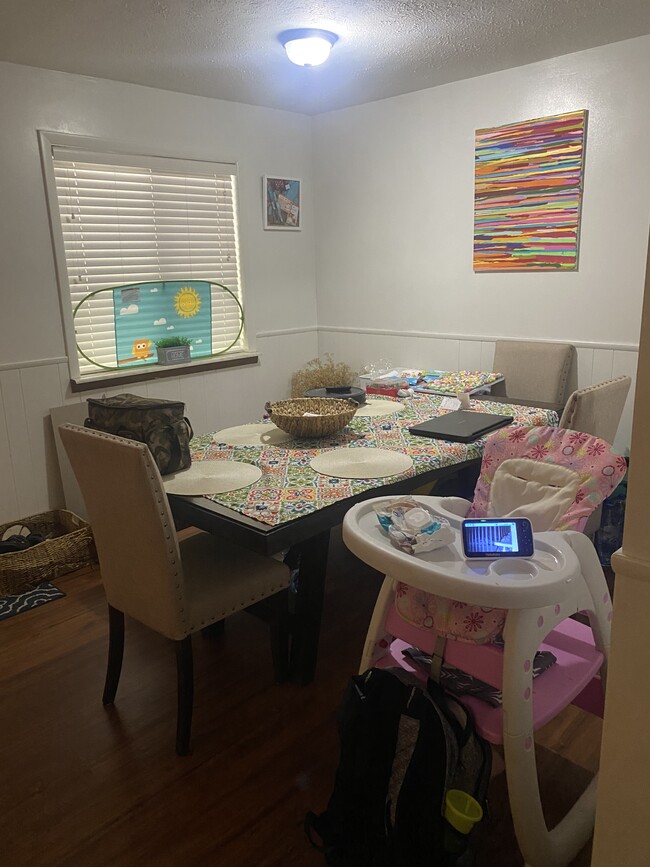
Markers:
(413, 527)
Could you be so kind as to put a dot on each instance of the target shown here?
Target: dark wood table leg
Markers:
(310, 558)
(468, 478)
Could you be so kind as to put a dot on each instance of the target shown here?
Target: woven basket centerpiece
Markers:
(311, 416)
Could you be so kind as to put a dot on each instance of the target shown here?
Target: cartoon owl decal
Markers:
(141, 349)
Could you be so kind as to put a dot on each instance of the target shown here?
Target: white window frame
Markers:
(97, 150)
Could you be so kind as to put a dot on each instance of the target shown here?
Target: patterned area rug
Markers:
(12, 605)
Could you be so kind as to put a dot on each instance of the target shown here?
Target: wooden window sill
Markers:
(161, 371)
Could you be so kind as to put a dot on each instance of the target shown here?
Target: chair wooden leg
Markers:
(115, 654)
(280, 636)
(185, 678)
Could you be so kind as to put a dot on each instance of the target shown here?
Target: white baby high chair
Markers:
(557, 478)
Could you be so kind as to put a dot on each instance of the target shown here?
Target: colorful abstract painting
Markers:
(527, 195)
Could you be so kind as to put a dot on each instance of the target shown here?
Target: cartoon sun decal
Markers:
(187, 302)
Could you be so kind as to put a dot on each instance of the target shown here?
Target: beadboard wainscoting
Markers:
(29, 466)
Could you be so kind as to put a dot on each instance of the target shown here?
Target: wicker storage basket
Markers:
(330, 415)
(69, 545)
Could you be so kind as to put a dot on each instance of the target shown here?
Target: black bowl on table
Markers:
(351, 391)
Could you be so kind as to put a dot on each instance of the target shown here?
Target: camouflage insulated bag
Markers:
(158, 423)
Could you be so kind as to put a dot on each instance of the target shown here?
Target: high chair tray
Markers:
(499, 583)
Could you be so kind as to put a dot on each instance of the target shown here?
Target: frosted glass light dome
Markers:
(307, 46)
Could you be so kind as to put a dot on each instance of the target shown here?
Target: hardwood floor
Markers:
(89, 786)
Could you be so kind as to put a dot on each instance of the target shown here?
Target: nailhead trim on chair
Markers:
(235, 608)
(161, 498)
(561, 397)
(569, 421)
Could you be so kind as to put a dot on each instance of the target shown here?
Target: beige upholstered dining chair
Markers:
(597, 410)
(536, 373)
(174, 588)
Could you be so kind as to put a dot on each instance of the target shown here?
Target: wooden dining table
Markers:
(291, 510)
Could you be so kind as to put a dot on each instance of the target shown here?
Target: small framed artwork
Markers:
(282, 206)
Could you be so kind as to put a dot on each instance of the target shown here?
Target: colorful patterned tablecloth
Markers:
(290, 488)
(451, 382)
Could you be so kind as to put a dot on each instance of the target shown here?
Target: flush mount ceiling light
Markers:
(307, 46)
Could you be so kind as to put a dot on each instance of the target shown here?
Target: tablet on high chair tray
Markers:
(492, 538)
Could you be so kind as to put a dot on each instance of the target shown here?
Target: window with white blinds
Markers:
(131, 219)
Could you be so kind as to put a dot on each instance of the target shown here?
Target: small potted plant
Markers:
(173, 350)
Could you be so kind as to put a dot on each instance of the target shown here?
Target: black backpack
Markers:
(402, 746)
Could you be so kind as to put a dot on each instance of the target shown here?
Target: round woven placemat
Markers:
(361, 463)
(375, 408)
(252, 435)
(212, 477)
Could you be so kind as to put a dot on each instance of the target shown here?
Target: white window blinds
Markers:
(127, 219)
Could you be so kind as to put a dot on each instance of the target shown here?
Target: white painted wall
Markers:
(278, 267)
(394, 219)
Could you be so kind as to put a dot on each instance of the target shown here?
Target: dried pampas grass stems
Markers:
(321, 373)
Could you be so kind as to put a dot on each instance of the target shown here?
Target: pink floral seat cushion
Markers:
(599, 470)
(456, 620)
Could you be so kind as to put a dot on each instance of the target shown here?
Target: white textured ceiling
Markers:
(228, 49)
